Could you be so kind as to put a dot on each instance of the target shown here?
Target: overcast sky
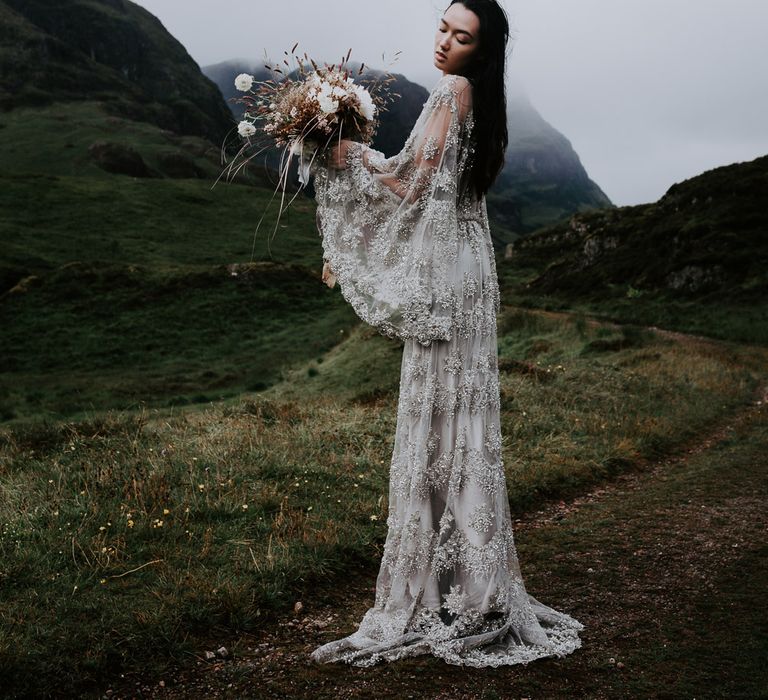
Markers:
(649, 92)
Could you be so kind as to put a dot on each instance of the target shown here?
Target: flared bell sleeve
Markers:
(389, 226)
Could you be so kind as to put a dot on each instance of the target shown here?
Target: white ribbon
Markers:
(306, 153)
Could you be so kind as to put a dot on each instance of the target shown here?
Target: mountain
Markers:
(543, 179)
(705, 239)
(113, 51)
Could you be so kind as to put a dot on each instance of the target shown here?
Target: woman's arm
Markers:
(408, 182)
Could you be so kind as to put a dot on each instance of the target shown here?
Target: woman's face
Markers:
(457, 39)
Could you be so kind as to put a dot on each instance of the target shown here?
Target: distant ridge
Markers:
(707, 236)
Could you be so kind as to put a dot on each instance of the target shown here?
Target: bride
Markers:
(408, 240)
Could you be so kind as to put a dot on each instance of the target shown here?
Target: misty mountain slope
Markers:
(706, 239)
(543, 179)
(110, 50)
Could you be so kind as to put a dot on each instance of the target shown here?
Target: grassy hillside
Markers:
(57, 205)
(696, 260)
(117, 290)
(128, 537)
(88, 337)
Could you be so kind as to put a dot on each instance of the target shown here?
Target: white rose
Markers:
(244, 82)
(367, 107)
(245, 128)
(327, 104)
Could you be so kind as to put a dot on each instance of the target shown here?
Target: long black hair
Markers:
(486, 73)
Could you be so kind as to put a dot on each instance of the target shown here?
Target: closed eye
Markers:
(464, 43)
(460, 41)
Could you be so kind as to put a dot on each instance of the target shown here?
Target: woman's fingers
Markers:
(329, 277)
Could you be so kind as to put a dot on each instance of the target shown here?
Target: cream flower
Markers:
(296, 147)
(245, 128)
(327, 104)
(366, 108)
(244, 82)
(339, 92)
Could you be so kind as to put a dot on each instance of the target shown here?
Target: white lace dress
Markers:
(416, 261)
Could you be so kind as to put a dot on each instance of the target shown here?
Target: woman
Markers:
(408, 239)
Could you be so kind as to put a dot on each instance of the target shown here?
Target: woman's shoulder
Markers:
(453, 91)
(453, 81)
(452, 88)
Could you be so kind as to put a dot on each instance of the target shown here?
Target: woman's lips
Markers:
(440, 56)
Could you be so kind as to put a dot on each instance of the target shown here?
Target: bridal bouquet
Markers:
(306, 115)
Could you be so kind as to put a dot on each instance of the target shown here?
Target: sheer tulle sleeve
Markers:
(389, 225)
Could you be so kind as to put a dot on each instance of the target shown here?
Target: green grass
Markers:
(48, 221)
(93, 337)
(90, 575)
(123, 292)
(711, 315)
(54, 140)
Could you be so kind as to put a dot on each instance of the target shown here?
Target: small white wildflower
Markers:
(245, 128)
(244, 82)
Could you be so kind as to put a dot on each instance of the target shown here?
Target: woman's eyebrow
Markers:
(460, 31)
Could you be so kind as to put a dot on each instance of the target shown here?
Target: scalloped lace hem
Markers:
(505, 646)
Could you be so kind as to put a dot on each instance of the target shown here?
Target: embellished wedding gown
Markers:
(415, 260)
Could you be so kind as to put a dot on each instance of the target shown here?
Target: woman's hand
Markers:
(329, 278)
(337, 154)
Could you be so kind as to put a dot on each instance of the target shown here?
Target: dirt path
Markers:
(664, 565)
